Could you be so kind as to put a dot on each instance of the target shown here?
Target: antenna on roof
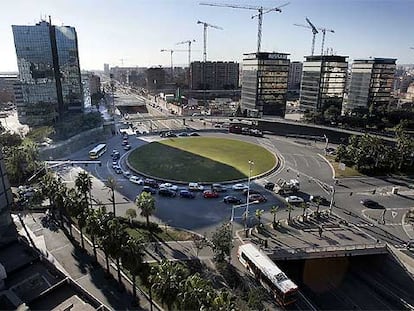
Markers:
(50, 20)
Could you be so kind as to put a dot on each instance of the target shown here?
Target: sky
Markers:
(132, 32)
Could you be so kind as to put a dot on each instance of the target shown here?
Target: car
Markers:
(136, 180)
(170, 134)
(117, 169)
(218, 187)
(269, 186)
(322, 200)
(167, 192)
(114, 163)
(116, 156)
(257, 197)
(114, 151)
(371, 204)
(169, 186)
(229, 199)
(149, 189)
(250, 191)
(187, 194)
(194, 186)
(124, 142)
(239, 187)
(151, 182)
(208, 194)
(194, 134)
(294, 199)
(127, 147)
(183, 134)
(127, 174)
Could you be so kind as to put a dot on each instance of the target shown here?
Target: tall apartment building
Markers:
(295, 75)
(7, 83)
(323, 83)
(214, 75)
(49, 72)
(264, 84)
(106, 69)
(155, 78)
(371, 82)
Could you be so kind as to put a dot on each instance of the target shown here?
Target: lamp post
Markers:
(251, 163)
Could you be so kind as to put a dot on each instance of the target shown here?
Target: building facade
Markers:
(155, 78)
(49, 72)
(371, 83)
(264, 84)
(323, 82)
(6, 197)
(7, 85)
(214, 75)
(295, 76)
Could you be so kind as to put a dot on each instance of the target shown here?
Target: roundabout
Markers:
(201, 159)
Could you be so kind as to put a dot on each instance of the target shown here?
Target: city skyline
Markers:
(132, 33)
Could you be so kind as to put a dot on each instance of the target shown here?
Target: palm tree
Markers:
(146, 203)
(104, 239)
(117, 240)
(290, 208)
(196, 293)
(224, 301)
(165, 279)
(304, 206)
(259, 214)
(132, 259)
(112, 184)
(131, 213)
(318, 202)
(93, 226)
(83, 184)
(273, 211)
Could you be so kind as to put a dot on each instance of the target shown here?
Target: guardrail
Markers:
(327, 251)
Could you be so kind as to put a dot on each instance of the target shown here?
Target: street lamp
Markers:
(239, 206)
(251, 163)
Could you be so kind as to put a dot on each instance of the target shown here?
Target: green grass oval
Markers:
(206, 159)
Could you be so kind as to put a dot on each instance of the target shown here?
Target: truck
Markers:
(286, 187)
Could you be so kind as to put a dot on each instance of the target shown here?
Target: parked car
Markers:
(371, 204)
(194, 134)
(195, 186)
(170, 134)
(127, 147)
(116, 156)
(169, 186)
(218, 187)
(149, 189)
(257, 197)
(269, 186)
(117, 169)
(322, 200)
(114, 163)
(294, 199)
(251, 191)
(125, 142)
(187, 194)
(167, 192)
(151, 182)
(239, 187)
(183, 134)
(208, 194)
(136, 180)
(127, 174)
(229, 199)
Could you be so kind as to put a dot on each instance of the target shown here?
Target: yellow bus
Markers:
(97, 151)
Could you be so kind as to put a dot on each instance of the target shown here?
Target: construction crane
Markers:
(205, 25)
(189, 42)
(261, 11)
(314, 32)
(171, 54)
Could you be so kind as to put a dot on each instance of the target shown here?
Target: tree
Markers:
(131, 213)
(259, 213)
(104, 238)
(222, 242)
(93, 226)
(273, 211)
(318, 202)
(83, 183)
(224, 301)
(304, 206)
(146, 203)
(112, 185)
(199, 242)
(196, 293)
(117, 240)
(165, 280)
(132, 259)
(78, 208)
(290, 208)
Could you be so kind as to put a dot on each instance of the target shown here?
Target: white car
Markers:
(294, 199)
(167, 185)
(127, 174)
(195, 186)
(136, 180)
(239, 187)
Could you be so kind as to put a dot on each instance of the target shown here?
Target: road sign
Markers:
(394, 214)
(342, 166)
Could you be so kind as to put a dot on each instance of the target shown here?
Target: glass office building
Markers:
(371, 83)
(264, 84)
(323, 82)
(49, 72)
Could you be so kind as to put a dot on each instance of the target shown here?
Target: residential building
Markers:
(7, 83)
(155, 78)
(49, 72)
(323, 83)
(371, 83)
(214, 75)
(295, 76)
(264, 84)
(106, 69)
(94, 84)
(410, 92)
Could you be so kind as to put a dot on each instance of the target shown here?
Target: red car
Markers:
(210, 194)
(257, 197)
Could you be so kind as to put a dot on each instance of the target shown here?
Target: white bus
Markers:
(268, 274)
(97, 151)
